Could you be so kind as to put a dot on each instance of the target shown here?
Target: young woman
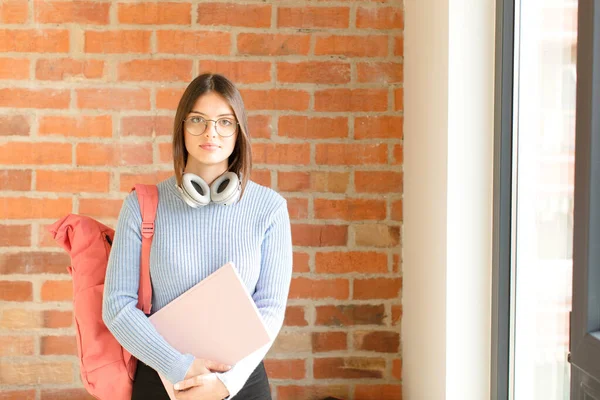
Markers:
(209, 213)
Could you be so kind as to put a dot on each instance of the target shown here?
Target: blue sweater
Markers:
(188, 245)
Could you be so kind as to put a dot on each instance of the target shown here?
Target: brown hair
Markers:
(240, 161)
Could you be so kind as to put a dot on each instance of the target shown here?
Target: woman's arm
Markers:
(125, 321)
(270, 295)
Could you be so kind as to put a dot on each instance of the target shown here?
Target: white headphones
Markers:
(224, 190)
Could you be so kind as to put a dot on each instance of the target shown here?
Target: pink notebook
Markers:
(216, 319)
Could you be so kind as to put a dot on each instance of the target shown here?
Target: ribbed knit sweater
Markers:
(188, 245)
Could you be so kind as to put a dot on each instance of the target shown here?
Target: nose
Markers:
(211, 129)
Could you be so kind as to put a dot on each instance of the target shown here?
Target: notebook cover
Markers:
(216, 320)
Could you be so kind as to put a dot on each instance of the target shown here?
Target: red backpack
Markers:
(107, 369)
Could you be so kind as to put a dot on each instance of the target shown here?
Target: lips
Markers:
(209, 146)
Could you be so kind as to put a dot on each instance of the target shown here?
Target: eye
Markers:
(197, 120)
(225, 122)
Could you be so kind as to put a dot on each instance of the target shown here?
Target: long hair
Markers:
(240, 160)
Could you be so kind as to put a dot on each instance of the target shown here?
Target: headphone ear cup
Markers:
(225, 190)
(195, 190)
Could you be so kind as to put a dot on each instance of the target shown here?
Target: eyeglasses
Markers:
(196, 125)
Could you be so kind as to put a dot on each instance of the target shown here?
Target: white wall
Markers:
(449, 59)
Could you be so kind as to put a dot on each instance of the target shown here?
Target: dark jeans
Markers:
(148, 386)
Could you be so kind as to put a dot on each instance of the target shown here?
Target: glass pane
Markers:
(545, 142)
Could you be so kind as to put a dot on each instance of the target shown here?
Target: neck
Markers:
(208, 173)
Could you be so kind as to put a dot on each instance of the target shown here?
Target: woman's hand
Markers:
(201, 366)
(205, 387)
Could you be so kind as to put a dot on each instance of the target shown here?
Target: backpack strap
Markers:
(148, 199)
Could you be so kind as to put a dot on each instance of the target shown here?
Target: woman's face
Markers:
(210, 148)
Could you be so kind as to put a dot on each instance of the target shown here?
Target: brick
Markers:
(155, 70)
(155, 13)
(18, 395)
(307, 288)
(233, 14)
(295, 316)
(399, 99)
(57, 319)
(45, 240)
(34, 40)
(14, 68)
(351, 100)
(165, 152)
(397, 369)
(313, 181)
(292, 342)
(396, 263)
(275, 99)
(41, 373)
(381, 73)
(68, 69)
(260, 126)
(119, 41)
(28, 208)
(378, 127)
(301, 262)
(11, 179)
(285, 369)
(113, 99)
(77, 126)
(350, 315)
(146, 125)
(262, 176)
(378, 392)
(129, 180)
(58, 345)
(14, 12)
(15, 235)
(312, 392)
(297, 208)
(350, 209)
(397, 210)
(14, 346)
(64, 12)
(352, 46)
(16, 319)
(329, 341)
(100, 208)
(378, 341)
(377, 288)
(313, 72)
(15, 125)
(98, 154)
(378, 181)
(350, 154)
(319, 235)
(73, 181)
(193, 42)
(34, 262)
(239, 71)
(399, 45)
(313, 17)
(168, 98)
(281, 153)
(398, 154)
(66, 394)
(348, 368)
(376, 235)
(302, 127)
(57, 291)
(265, 44)
(34, 98)
(42, 153)
(379, 18)
(16, 291)
(351, 261)
(396, 314)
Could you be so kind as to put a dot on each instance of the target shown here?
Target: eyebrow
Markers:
(221, 115)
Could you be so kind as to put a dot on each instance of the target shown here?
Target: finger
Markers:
(215, 366)
(188, 383)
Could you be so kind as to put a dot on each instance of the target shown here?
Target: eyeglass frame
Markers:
(215, 122)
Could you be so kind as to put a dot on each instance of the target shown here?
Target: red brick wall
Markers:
(88, 90)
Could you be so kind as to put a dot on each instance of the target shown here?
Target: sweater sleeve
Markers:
(128, 324)
(270, 295)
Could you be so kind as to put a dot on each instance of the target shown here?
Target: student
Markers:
(211, 153)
